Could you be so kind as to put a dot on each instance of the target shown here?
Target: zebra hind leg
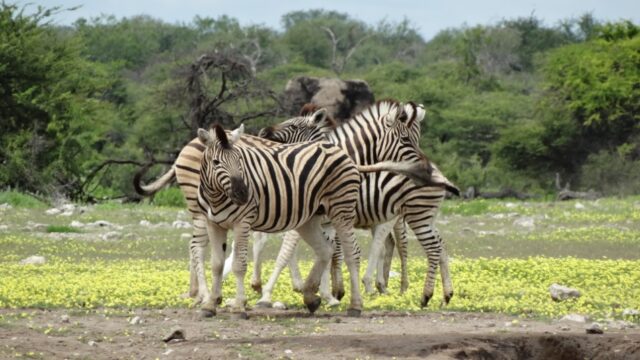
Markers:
(422, 227)
(287, 249)
(400, 232)
(259, 240)
(447, 285)
(312, 233)
(351, 251)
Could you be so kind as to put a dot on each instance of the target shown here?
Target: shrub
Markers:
(169, 197)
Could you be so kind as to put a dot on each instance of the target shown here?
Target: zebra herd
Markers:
(321, 179)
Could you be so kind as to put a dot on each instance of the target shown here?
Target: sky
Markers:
(428, 16)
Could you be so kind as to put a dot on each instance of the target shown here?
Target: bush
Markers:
(611, 173)
(62, 229)
(169, 197)
(17, 199)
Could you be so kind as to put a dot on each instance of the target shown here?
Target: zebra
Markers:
(276, 188)
(186, 171)
(384, 196)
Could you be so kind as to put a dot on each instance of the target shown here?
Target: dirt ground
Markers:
(293, 334)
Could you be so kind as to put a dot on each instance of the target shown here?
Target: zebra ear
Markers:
(205, 137)
(235, 134)
(319, 117)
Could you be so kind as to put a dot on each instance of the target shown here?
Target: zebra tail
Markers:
(154, 187)
(418, 173)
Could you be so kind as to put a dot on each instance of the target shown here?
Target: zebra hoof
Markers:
(240, 315)
(264, 304)
(425, 301)
(207, 313)
(382, 288)
(354, 312)
(314, 304)
(447, 298)
(257, 288)
(339, 294)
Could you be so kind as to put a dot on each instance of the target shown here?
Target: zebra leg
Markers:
(289, 242)
(228, 263)
(259, 240)
(447, 285)
(218, 238)
(422, 226)
(402, 242)
(325, 291)
(385, 266)
(197, 247)
(240, 244)
(312, 233)
(379, 233)
(296, 278)
(351, 251)
(337, 283)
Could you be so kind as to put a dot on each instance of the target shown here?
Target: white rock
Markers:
(53, 211)
(76, 223)
(186, 236)
(91, 343)
(4, 227)
(135, 320)
(510, 205)
(64, 318)
(6, 206)
(279, 306)
(38, 227)
(145, 223)
(67, 213)
(560, 292)
(288, 352)
(525, 222)
(574, 318)
(33, 260)
(630, 312)
(111, 235)
(499, 216)
(180, 224)
(100, 223)
(594, 328)
(169, 351)
(579, 206)
(68, 207)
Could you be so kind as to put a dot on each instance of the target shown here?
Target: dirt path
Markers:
(270, 334)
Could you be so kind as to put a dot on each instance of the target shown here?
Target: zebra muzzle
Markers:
(239, 191)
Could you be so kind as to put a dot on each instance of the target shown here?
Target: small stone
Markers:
(111, 235)
(68, 207)
(4, 227)
(6, 206)
(560, 292)
(185, 236)
(180, 224)
(33, 260)
(176, 333)
(53, 211)
(169, 351)
(135, 320)
(279, 306)
(67, 213)
(525, 222)
(145, 223)
(565, 328)
(579, 206)
(100, 223)
(630, 312)
(594, 328)
(575, 318)
(91, 343)
(76, 223)
(64, 319)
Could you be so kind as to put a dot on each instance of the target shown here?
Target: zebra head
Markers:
(399, 136)
(222, 166)
(313, 124)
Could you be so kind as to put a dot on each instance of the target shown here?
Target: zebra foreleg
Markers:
(379, 233)
(289, 243)
(296, 278)
(259, 240)
(218, 239)
(197, 244)
(312, 233)
(240, 245)
(385, 267)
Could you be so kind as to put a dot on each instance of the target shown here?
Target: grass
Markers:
(62, 229)
(497, 266)
(17, 199)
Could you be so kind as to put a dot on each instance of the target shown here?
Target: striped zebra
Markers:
(277, 188)
(384, 196)
(186, 171)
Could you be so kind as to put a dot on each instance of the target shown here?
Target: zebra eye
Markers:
(216, 162)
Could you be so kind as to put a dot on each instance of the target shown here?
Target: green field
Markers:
(500, 261)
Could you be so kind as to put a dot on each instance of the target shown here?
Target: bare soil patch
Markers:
(293, 334)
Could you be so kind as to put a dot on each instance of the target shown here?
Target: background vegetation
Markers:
(509, 104)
